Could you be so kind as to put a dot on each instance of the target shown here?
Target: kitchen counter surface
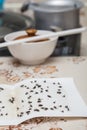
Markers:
(11, 72)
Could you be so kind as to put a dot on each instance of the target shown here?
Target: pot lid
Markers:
(56, 5)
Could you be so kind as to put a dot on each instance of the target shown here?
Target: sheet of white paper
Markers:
(51, 97)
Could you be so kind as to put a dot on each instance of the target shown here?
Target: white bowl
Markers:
(31, 53)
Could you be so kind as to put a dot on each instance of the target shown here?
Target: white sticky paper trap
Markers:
(51, 97)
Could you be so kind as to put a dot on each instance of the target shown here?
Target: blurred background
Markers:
(15, 6)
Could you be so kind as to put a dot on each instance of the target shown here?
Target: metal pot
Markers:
(59, 13)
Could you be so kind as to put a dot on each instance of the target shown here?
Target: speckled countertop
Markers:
(11, 71)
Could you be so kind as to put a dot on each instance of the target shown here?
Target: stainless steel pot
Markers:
(59, 13)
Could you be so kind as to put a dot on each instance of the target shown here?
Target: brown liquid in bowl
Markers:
(26, 36)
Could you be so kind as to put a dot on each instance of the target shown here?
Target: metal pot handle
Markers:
(55, 28)
(25, 6)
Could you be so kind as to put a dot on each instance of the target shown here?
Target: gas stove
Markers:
(68, 46)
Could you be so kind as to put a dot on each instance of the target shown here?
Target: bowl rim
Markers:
(31, 43)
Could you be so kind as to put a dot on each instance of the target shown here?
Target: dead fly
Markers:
(12, 100)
